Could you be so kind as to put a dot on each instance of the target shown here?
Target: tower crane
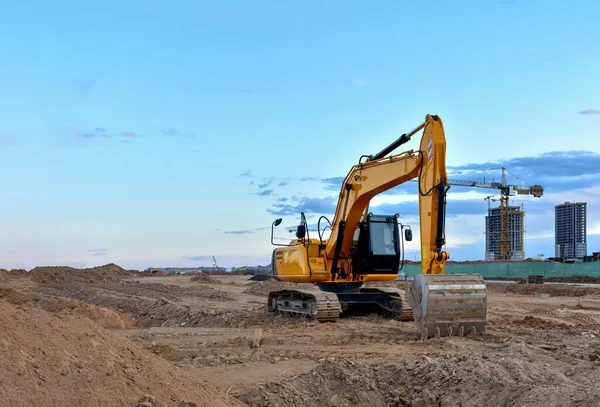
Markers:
(505, 191)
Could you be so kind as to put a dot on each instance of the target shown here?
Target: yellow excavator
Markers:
(363, 247)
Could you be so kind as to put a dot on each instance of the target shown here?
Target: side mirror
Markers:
(275, 223)
(408, 235)
(300, 232)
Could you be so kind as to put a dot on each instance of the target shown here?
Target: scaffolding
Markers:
(505, 232)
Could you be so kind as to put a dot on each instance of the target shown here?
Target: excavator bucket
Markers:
(448, 305)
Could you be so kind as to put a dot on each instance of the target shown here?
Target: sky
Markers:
(158, 133)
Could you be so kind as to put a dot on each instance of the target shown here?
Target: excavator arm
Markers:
(381, 173)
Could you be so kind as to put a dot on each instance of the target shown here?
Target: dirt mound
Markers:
(539, 323)
(217, 273)
(59, 274)
(575, 279)
(554, 290)
(167, 291)
(156, 304)
(424, 381)
(105, 317)
(14, 273)
(205, 278)
(17, 298)
(265, 287)
(71, 361)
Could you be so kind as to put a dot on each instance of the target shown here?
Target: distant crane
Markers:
(215, 264)
(505, 191)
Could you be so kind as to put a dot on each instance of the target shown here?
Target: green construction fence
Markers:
(514, 269)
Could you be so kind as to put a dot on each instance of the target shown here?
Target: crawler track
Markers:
(326, 306)
(314, 304)
(402, 311)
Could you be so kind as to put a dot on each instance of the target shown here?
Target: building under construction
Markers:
(570, 230)
(515, 234)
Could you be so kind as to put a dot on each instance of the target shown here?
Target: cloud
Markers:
(333, 183)
(321, 206)
(98, 252)
(590, 112)
(267, 182)
(454, 208)
(129, 134)
(266, 192)
(359, 82)
(98, 132)
(561, 173)
(199, 258)
(243, 232)
(557, 170)
(172, 132)
(265, 186)
(101, 132)
(238, 232)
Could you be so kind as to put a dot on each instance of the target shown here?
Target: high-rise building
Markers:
(515, 232)
(570, 234)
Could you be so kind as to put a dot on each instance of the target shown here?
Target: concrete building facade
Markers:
(570, 230)
(516, 231)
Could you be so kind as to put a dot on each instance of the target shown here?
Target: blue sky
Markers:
(149, 133)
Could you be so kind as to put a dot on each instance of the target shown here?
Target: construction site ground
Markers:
(70, 340)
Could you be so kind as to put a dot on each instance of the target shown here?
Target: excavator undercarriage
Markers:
(327, 303)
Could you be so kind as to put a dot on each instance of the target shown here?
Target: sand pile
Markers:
(154, 304)
(60, 274)
(432, 382)
(71, 361)
(105, 317)
(205, 278)
(554, 290)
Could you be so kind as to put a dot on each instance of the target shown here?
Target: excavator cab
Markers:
(378, 248)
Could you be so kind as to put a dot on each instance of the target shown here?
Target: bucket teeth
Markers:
(448, 305)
